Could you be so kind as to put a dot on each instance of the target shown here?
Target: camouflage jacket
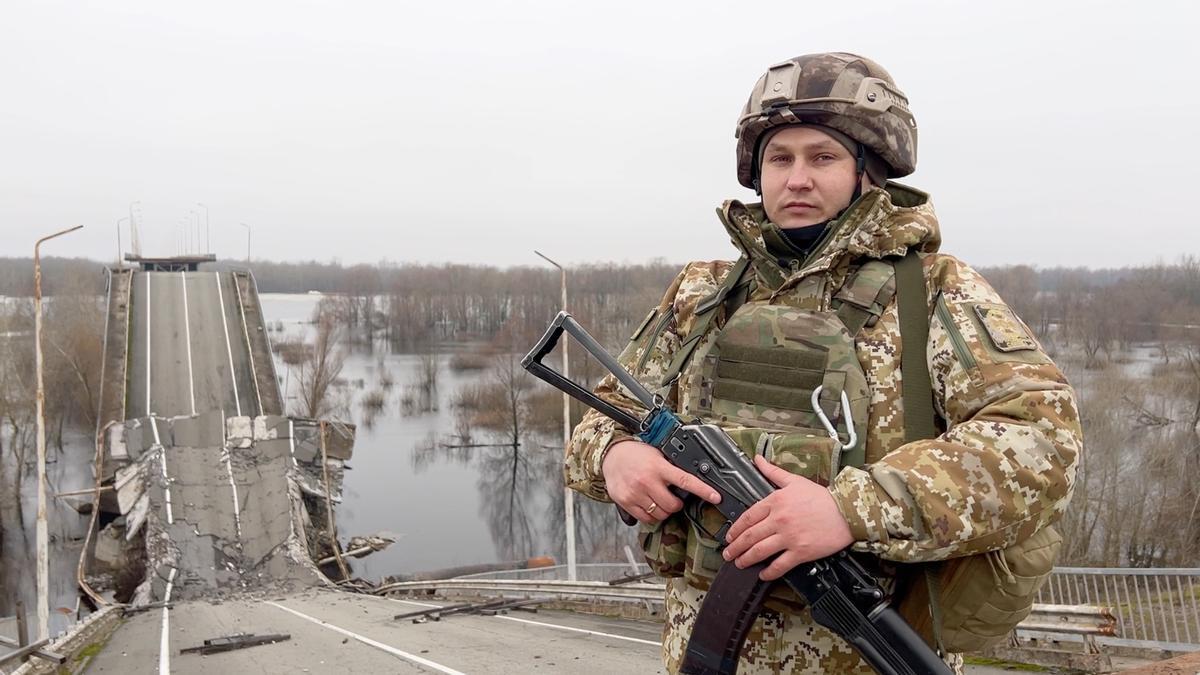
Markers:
(1004, 465)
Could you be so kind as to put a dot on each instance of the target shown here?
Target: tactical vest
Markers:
(783, 379)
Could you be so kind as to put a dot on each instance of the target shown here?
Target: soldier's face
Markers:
(807, 177)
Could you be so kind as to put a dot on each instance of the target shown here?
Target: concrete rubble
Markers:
(213, 505)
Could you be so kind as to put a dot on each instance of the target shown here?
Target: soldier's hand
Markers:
(638, 477)
(800, 521)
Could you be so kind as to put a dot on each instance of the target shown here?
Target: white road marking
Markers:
(162, 455)
(187, 331)
(292, 442)
(164, 643)
(147, 342)
(225, 450)
(550, 625)
(249, 347)
(368, 641)
(164, 652)
(582, 630)
(228, 347)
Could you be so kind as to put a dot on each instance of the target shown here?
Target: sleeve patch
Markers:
(1007, 332)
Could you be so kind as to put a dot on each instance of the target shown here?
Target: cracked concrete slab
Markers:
(276, 447)
(115, 442)
(233, 518)
(307, 450)
(239, 432)
(129, 485)
(198, 431)
(268, 427)
(139, 438)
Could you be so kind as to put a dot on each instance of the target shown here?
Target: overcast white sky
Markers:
(1051, 133)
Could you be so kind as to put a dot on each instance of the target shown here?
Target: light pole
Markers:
(207, 241)
(134, 241)
(247, 243)
(119, 220)
(568, 495)
(196, 245)
(43, 538)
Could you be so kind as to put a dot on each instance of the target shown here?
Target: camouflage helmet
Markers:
(846, 92)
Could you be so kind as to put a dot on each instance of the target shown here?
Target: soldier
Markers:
(796, 351)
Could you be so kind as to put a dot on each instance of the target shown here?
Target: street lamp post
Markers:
(43, 538)
(207, 241)
(134, 241)
(196, 245)
(568, 495)
(247, 243)
(119, 221)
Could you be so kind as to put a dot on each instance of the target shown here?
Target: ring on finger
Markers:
(650, 509)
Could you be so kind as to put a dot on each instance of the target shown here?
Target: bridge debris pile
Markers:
(208, 504)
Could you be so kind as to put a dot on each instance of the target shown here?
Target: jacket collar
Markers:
(882, 222)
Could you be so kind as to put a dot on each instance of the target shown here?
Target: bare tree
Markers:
(321, 366)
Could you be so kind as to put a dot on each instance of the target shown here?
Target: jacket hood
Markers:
(882, 222)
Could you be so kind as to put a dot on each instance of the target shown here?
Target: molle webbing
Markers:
(777, 378)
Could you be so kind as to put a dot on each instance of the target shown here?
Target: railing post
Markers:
(22, 628)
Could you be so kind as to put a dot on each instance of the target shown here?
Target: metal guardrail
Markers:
(653, 592)
(583, 572)
(1155, 608)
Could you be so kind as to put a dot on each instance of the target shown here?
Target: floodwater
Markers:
(67, 470)
(449, 506)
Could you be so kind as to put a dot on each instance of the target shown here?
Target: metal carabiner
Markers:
(851, 437)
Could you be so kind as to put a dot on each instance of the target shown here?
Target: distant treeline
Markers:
(413, 302)
(410, 304)
(59, 275)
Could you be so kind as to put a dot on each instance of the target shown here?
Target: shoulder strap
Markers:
(917, 393)
(916, 386)
(706, 312)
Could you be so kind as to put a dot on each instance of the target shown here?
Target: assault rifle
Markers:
(841, 594)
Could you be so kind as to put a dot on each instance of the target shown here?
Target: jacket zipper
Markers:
(961, 350)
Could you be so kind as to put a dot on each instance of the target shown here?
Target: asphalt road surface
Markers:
(188, 346)
(336, 632)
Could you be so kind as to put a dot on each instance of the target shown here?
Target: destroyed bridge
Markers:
(213, 539)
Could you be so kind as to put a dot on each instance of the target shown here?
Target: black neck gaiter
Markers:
(803, 238)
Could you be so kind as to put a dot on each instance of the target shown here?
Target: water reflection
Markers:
(495, 432)
(459, 450)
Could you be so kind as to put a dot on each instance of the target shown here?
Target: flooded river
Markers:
(450, 506)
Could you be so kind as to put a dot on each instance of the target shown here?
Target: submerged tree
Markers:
(321, 366)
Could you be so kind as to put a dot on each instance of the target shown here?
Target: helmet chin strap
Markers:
(860, 167)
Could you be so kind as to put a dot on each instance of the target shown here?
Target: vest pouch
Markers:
(763, 367)
(664, 545)
(804, 452)
(980, 598)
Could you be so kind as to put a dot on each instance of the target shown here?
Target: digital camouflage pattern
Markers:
(1004, 467)
(846, 92)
